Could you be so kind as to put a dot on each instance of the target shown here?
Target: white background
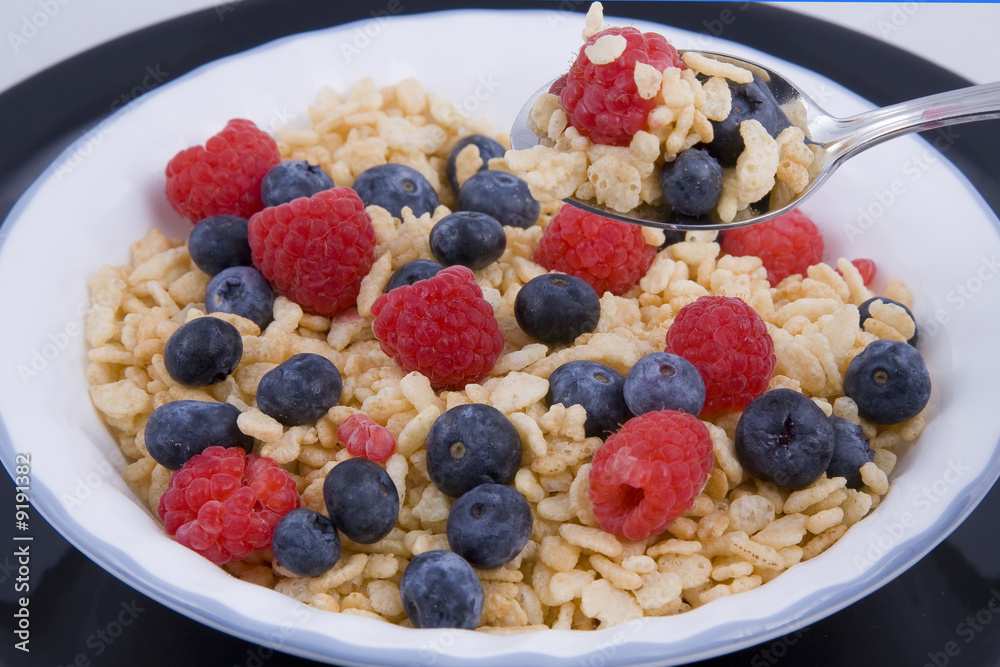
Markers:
(40, 33)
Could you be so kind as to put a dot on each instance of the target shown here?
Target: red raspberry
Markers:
(788, 244)
(224, 175)
(602, 101)
(648, 473)
(224, 503)
(558, 85)
(441, 326)
(867, 268)
(610, 255)
(363, 437)
(728, 342)
(315, 250)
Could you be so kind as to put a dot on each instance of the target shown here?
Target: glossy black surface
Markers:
(943, 611)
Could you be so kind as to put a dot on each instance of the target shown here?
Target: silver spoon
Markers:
(841, 138)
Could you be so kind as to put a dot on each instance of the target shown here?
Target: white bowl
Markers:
(894, 204)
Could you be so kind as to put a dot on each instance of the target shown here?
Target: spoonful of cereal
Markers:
(693, 140)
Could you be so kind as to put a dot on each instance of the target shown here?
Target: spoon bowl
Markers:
(839, 138)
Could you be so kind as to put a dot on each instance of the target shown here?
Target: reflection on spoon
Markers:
(839, 138)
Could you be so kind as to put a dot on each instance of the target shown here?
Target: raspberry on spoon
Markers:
(601, 98)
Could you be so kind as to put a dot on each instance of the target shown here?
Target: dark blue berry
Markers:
(305, 543)
(361, 499)
(598, 388)
(203, 351)
(664, 381)
(889, 382)
(850, 451)
(441, 590)
(501, 195)
(470, 445)
(762, 205)
(218, 242)
(178, 430)
(555, 308)
(751, 101)
(243, 291)
(488, 148)
(864, 312)
(411, 272)
(784, 438)
(489, 525)
(672, 236)
(469, 238)
(290, 180)
(692, 183)
(300, 389)
(393, 186)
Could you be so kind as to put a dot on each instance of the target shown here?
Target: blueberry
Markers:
(784, 438)
(555, 308)
(598, 388)
(243, 291)
(501, 195)
(664, 381)
(489, 525)
(469, 445)
(361, 499)
(850, 451)
(441, 590)
(762, 205)
(300, 389)
(488, 148)
(889, 382)
(692, 183)
(672, 236)
(469, 238)
(864, 312)
(411, 272)
(178, 430)
(393, 186)
(305, 543)
(203, 351)
(751, 101)
(292, 179)
(218, 242)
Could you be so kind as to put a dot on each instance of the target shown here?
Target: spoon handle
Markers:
(846, 136)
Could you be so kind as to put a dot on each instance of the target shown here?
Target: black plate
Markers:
(945, 610)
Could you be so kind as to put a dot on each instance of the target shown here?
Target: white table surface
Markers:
(40, 33)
